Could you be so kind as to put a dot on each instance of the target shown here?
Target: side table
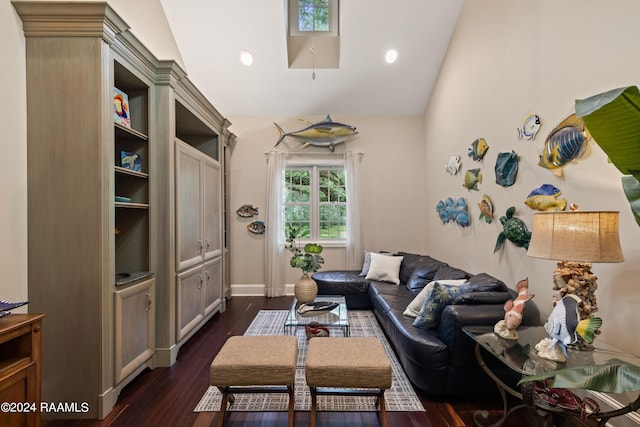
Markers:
(520, 356)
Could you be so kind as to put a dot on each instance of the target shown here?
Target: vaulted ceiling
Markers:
(210, 35)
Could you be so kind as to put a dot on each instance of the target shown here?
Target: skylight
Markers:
(313, 17)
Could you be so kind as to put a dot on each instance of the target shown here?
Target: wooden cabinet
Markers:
(108, 236)
(134, 333)
(199, 291)
(20, 357)
(198, 212)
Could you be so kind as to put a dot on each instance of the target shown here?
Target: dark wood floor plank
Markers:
(166, 397)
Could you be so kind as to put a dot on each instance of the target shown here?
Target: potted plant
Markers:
(309, 260)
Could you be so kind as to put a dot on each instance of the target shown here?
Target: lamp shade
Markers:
(584, 236)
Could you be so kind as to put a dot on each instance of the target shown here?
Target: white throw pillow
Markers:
(385, 268)
(414, 306)
(367, 261)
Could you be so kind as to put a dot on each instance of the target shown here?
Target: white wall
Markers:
(507, 59)
(392, 188)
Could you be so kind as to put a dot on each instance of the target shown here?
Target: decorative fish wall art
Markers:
(530, 127)
(453, 165)
(256, 227)
(457, 211)
(486, 209)
(247, 211)
(472, 178)
(567, 142)
(478, 149)
(545, 198)
(506, 168)
(326, 133)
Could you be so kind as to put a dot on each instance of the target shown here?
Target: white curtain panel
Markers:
(354, 249)
(274, 235)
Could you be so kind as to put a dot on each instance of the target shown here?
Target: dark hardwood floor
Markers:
(166, 396)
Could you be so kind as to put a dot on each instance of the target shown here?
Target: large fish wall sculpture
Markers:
(326, 133)
(566, 142)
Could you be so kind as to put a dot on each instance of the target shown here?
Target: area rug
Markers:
(400, 397)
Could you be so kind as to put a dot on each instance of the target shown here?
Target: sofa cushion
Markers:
(384, 268)
(448, 272)
(367, 261)
(483, 282)
(412, 263)
(440, 297)
(483, 298)
(416, 304)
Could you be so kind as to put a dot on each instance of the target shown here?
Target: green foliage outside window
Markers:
(313, 15)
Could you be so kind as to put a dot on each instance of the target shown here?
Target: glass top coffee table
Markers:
(336, 318)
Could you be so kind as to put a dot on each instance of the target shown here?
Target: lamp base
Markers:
(576, 278)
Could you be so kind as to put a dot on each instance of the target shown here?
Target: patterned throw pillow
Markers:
(441, 296)
(415, 306)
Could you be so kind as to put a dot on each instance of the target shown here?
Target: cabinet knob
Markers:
(199, 246)
(201, 282)
(208, 244)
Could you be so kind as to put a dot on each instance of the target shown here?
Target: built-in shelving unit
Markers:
(106, 237)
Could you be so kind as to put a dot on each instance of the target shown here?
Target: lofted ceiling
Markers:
(211, 33)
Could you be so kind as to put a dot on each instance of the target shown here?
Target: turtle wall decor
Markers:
(513, 229)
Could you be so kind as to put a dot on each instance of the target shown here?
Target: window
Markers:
(316, 202)
(313, 17)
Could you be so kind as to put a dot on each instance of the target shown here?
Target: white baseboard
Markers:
(255, 290)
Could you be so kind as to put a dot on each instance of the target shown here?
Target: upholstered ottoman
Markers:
(245, 362)
(356, 366)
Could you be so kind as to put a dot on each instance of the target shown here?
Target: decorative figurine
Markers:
(530, 127)
(566, 142)
(514, 229)
(471, 179)
(486, 209)
(478, 149)
(326, 133)
(545, 198)
(506, 168)
(453, 165)
(513, 312)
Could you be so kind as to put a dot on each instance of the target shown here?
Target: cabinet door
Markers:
(212, 214)
(213, 285)
(189, 244)
(134, 338)
(189, 309)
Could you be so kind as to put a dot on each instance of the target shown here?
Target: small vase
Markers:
(305, 289)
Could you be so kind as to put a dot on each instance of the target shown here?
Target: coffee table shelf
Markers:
(337, 318)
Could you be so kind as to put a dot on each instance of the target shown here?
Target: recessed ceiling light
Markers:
(391, 56)
(246, 57)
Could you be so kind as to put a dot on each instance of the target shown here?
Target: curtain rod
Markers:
(306, 153)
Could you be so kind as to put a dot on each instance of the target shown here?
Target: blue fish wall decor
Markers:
(530, 127)
(457, 211)
(567, 142)
(326, 133)
(506, 168)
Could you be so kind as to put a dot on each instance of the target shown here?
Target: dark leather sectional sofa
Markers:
(441, 361)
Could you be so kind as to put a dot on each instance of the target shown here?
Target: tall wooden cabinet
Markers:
(106, 219)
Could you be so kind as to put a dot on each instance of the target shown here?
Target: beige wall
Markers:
(507, 59)
(392, 188)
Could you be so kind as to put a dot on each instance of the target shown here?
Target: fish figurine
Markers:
(564, 325)
(453, 165)
(478, 149)
(472, 178)
(486, 209)
(530, 127)
(246, 211)
(545, 198)
(453, 210)
(566, 142)
(256, 227)
(506, 168)
(325, 133)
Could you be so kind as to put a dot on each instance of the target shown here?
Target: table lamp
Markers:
(576, 239)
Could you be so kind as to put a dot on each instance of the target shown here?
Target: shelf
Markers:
(125, 171)
(129, 132)
(131, 205)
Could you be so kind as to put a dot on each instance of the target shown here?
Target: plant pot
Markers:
(305, 289)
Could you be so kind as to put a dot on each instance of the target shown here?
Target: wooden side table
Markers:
(20, 364)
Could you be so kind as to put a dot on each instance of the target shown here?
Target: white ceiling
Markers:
(211, 33)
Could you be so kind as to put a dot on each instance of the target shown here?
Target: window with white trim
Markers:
(316, 202)
(313, 17)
